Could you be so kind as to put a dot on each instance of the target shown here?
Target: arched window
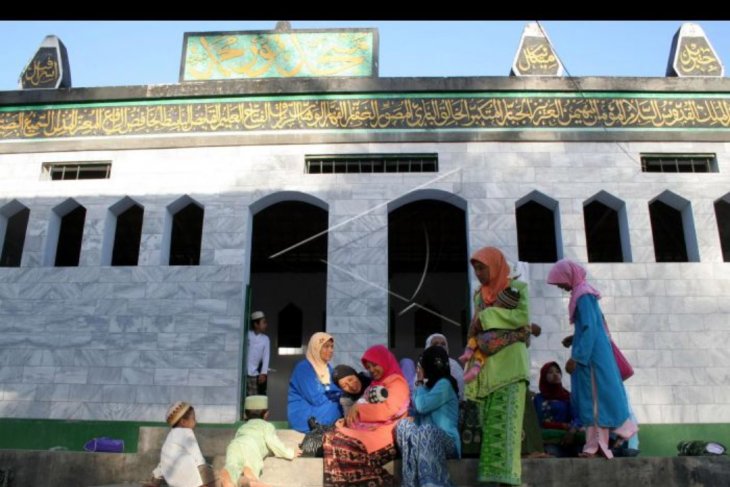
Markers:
(672, 228)
(184, 231)
(65, 234)
(13, 225)
(607, 235)
(538, 228)
(722, 213)
(123, 233)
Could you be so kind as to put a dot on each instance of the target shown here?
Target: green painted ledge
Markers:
(44, 434)
(656, 440)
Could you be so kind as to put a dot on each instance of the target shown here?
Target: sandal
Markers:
(538, 454)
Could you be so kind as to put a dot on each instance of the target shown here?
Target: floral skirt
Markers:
(347, 463)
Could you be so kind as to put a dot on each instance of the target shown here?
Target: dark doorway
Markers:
(290, 289)
(427, 257)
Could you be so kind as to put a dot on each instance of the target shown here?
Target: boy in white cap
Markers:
(181, 462)
(254, 441)
(258, 355)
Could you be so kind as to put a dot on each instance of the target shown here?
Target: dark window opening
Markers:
(70, 235)
(445, 226)
(603, 234)
(668, 232)
(679, 163)
(371, 163)
(722, 213)
(536, 240)
(291, 324)
(284, 226)
(187, 233)
(127, 236)
(14, 239)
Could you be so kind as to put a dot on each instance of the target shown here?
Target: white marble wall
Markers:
(100, 342)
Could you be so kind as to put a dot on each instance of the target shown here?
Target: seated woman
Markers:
(312, 393)
(362, 443)
(352, 383)
(432, 437)
(555, 414)
(457, 371)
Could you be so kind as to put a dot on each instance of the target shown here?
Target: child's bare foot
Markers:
(225, 478)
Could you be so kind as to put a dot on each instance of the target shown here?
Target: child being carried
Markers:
(486, 343)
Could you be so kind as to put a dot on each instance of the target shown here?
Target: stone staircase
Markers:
(80, 469)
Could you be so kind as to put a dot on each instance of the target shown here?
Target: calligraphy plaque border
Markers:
(372, 113)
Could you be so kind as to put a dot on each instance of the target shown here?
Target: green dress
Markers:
(500, 388)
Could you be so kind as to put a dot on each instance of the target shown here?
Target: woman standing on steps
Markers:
(501, 384)
(597, 390)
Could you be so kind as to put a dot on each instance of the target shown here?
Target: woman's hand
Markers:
(419, 374)
(570, 366)
(352, 416)
(535, 329)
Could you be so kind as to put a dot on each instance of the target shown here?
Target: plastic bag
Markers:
(104, 444)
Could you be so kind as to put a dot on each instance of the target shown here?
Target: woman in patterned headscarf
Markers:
(312, 392)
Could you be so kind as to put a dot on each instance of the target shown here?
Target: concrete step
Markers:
(80, 469)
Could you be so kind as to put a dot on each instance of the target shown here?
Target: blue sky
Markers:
(113, 53)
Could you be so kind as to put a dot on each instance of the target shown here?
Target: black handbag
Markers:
(311, 445)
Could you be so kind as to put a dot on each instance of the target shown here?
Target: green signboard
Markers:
(279, 54)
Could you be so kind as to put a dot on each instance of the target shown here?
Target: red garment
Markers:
(552, 391)
(493, 258)
(380, 355)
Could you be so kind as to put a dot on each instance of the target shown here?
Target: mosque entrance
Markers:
(427, 275)
(288, 283)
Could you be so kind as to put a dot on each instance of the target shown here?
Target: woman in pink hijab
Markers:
(363, 442)
(597, 391)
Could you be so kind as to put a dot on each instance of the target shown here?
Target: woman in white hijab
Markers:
(312, 392)
(457, 371)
